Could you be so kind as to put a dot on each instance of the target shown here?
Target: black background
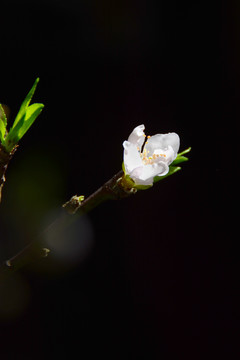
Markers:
(159, 279)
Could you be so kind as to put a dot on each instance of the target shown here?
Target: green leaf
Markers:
(2, 131)
(24, 119)
(185, 151)
(31, 114)
(180, 158)
(25, 104)
(3, 124)
(17, 132)
(3, 115)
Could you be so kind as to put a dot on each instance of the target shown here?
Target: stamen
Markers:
(149, 160)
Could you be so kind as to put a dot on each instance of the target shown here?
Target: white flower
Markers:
(142, 162)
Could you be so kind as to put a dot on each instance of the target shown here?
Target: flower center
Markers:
(146, 159)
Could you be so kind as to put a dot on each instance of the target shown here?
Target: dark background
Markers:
(156, 275)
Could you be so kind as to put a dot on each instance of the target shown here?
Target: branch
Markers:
(5, 158)
(112, 190)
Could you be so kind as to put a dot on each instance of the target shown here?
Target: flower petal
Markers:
(137, 136)
(131, 157)
(144, 175)
(165, 155)
(162, 142)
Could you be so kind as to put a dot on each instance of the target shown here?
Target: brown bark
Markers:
(5, 158)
